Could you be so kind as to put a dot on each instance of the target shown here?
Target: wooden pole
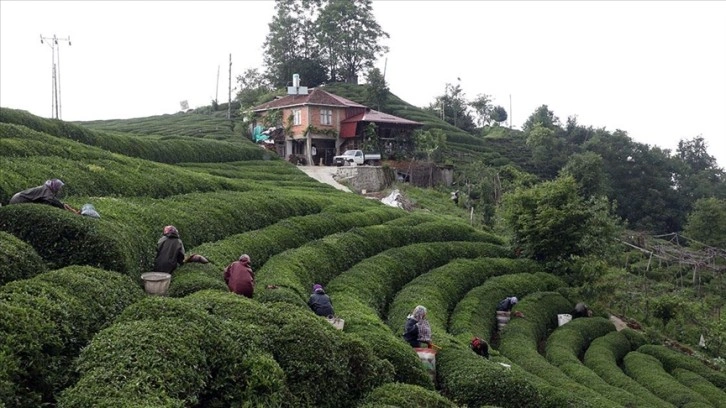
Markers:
(229, 100)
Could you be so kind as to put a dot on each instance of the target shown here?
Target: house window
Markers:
(296, 117)
(326, 117)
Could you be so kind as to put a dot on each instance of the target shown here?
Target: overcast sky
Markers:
(654, 69)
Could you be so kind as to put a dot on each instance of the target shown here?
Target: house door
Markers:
(326, 151)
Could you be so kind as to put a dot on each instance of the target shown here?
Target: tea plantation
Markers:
(78, 330)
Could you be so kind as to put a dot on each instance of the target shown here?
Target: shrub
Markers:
(473, 381)
(649, 372)
(363, 293)
(18, 260)
(194, 277)
(475, 313)
(175, 150)
(603, 357)
(28, 158)
(441, 289)
(125, 238)
(322, 260)
(672, 359)
(341, 370)
(568, 342)
(697, 383)
(290, 233)
(146, 360)
(403, 395)
(48, 319)
(520, 338)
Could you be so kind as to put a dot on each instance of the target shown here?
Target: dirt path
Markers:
(324, 174)
(619, 324)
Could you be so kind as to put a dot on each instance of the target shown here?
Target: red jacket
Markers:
(239, 278)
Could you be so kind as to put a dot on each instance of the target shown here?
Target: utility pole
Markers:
(229, 101)
(55, 64)
(510, 111)
(216, 95)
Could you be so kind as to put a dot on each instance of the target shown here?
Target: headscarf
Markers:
(54, 185)
(318, 288)
(170, 230)
(244, 258)
(418, 313)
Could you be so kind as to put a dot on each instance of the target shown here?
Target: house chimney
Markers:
(296, 89)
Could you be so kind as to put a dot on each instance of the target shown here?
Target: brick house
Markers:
(331, 123)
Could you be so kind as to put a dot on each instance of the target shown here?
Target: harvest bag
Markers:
(428, 358)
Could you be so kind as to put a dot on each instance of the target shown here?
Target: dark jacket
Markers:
(505, 305)
(321, 304)
(41, 194)
(581, 310)
(410, 332)
(169, 253)
(239, 278)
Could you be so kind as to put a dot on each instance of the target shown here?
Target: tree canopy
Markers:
(322, 40)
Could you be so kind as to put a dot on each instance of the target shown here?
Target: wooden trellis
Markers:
(669, 248)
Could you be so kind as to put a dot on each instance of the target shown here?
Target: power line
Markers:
(53, 43)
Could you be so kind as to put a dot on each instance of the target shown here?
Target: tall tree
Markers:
(453, 108)
(641, 181)
(548, 150)
(587, 170)
(553, 223)
(291, 46)
(707, 222)
(376, 89)
(349, 38)
(544, 116)
(499, 114)
(698, 174)
(483, 108)
(252, 86)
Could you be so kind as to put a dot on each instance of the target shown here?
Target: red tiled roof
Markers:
(316, 97)
(380, 117)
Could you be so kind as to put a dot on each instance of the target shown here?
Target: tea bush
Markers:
(672, 359)
(475, 313)
(158, 149)
(377, 280)
(473, 381)
(362, 294)
(520, 338)
(698, 383)
(649, 372)
(18, 260)
(145, 360)
(124, 239)
(603, 357)
(29, 158)
(341, 369)
(45, 322)
(320, 261)
(263, 243)
(292, 232)
(568, 342)
(404, 395)
(193, 277)
(441, 289)
(62, 238)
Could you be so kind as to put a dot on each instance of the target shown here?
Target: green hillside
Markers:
(78, 330)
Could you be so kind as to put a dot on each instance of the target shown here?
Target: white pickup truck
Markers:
(357, 157)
